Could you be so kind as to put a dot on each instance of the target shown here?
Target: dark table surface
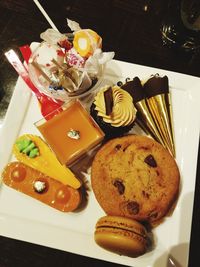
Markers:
(131, 28)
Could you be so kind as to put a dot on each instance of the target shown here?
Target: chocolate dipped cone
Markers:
(144, 118)
(159, 103)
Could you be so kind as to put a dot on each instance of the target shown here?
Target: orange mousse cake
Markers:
(71, 133)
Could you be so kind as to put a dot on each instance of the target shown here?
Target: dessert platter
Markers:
(109, 172)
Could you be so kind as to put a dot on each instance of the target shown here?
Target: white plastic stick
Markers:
(45, 14)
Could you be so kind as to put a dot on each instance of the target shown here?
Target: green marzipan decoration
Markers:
(28, 147)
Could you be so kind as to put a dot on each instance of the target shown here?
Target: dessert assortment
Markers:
(134, 178)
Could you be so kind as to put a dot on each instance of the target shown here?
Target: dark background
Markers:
(131, 28)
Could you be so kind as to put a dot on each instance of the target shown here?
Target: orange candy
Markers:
(86, 41)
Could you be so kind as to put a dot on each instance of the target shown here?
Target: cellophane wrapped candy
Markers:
(66, 66)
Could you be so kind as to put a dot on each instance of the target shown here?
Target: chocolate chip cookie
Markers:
(136, 177)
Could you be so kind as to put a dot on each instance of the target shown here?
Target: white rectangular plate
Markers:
(24, 218)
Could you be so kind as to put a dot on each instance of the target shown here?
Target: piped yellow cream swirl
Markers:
(123, 111)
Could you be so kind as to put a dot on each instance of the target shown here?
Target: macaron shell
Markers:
(123, 223)
(121, 241)
(121, 235)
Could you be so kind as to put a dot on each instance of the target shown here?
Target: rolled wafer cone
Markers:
(170, 113)
(144, 118)
(159, 104)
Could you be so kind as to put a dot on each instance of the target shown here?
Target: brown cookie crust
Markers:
(134, 176)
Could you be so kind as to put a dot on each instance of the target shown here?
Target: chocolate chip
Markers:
(144, 147)
(118, 146)
(133, 207)
(150, 161)
(145, 194)
(118, 183)
(153, 215)
(125, 148)
(157, 172)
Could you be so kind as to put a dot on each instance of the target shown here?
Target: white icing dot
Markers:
(39, 186)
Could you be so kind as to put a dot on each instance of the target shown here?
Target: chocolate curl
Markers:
(108, 97)
(144, 117)
(159, 103)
